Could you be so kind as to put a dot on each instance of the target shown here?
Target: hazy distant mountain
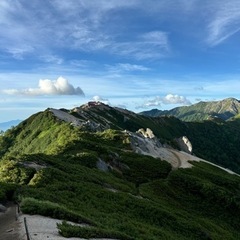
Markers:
(6, 125)
(224, 109)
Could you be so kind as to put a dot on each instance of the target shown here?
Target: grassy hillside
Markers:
(45, 133)
(213, 140)
(136, 197)
(224, 110)
(217, 142)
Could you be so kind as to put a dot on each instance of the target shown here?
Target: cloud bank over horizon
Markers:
(60, 86)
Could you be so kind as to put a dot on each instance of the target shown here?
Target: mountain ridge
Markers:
(223, 109)
(81, 165)
(99, 117)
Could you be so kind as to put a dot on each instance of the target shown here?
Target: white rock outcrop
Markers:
(147, 134)
(184, 144)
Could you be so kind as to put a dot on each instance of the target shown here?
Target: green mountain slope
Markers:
(214, 140)
(56, 169)
(224, 110)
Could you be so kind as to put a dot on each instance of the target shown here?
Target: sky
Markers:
(134, 54)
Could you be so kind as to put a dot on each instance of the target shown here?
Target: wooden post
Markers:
(26, 228)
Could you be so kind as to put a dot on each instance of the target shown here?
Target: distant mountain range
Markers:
(6, 125)
(224, 110)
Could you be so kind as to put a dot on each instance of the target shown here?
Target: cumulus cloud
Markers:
(52, 59)
(168, 99)
(175, 99)
(61, 86)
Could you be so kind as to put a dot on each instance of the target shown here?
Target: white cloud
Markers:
(61, 86)
(150, 45)
(87, 38)
(175, 99)
(81, 63)
(78, 24)
(96, 9)
(100, 99)
(157, 38)
(126, 67)
(168, 99)
(156, 102)
(224, 21)
(19, 52)
(52, 59)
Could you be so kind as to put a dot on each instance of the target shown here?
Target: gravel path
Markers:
(9, 227)
(45, 228)
(39, 227)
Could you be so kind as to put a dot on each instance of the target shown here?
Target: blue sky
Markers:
(135, 54)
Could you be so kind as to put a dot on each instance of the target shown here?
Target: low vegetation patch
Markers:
(69, 230)
(50, 209)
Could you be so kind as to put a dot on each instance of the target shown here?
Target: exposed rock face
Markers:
(141, 139)
(86, 123)
(147, 134)
(66, 117)
(151, 147)
(184, 144)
